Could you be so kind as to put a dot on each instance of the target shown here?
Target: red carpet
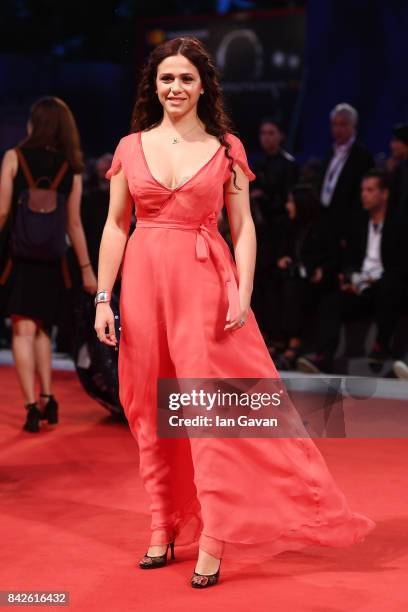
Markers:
(74, 518)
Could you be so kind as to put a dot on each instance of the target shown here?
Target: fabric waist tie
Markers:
(206, 240)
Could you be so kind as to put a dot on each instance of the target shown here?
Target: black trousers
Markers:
(381, 301)
(264, 297)
(265, 304)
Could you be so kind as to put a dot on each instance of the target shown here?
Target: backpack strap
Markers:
(59, 176)
(25, 168)
(29, 177)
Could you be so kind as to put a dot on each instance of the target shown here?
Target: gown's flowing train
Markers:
(248, 496)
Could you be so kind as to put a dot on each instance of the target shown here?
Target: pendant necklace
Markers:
(176, 139)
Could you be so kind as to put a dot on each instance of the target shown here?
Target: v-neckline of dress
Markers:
(173, 189)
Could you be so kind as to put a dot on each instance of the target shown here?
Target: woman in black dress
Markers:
(40, 197)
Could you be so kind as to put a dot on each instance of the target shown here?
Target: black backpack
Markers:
(39, 220)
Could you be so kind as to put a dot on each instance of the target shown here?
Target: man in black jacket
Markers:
(343, 169)
(374, 272)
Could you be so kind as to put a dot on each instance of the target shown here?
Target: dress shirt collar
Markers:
(377, 227)
(346, 146)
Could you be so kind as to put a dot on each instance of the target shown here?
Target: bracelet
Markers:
(85, 265)
(102, 296)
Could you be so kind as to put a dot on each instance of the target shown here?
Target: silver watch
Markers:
(102, 296)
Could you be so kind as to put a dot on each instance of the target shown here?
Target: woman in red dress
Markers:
(185, 313)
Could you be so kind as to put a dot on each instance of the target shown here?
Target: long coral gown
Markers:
(254, 496)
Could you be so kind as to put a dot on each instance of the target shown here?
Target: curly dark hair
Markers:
(148, 112)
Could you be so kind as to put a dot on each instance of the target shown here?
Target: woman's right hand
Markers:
(104, 319)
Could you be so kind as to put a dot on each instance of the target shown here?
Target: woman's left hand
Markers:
(239, 321)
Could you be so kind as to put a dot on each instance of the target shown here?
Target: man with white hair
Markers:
(343, 168)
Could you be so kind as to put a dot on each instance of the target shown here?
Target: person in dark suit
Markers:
(343, 169)
(373, 276)
(276, 173)
(307, 264)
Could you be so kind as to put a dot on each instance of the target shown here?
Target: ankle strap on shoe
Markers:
(32, 405)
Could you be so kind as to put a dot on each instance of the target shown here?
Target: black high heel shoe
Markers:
(32, 423)
(202, 581)
(148, 562)
(51, 409)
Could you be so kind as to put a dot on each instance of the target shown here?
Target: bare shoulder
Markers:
(149, 133)
(210, 137)
(10, 156)
(10, 162)
(77, 180)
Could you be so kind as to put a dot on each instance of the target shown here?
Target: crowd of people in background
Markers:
(331, 245)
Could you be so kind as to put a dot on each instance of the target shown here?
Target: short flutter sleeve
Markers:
(117, 161)
(239, 155)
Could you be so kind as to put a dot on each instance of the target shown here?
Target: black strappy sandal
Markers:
(32, 423)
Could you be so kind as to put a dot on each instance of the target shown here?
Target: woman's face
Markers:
(291, 207)
(178, 85)
(270, 137)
